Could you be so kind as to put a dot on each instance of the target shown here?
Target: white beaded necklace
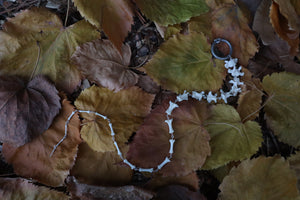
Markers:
(230, 65)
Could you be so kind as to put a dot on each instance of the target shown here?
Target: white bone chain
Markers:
(230, 65)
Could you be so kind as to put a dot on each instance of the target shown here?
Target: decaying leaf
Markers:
(113, 16)
(282, 109)
(231, 139)
(171, 12)
(41, 42)
(191, 181)
(90, 192)
(249, 104)
(100, 62)
(17, 189)
(201, 24)
(215, 3)
(178, 192)
(26, 109)
(33, 160)
(294, 162)
(184, 62)
(97, 168)
(229, 22)
(286, 23)
(147, 84)
(126, 110)
(262, 24)
(150, 145)
(261, 178)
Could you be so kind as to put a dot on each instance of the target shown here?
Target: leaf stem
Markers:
(68, 8)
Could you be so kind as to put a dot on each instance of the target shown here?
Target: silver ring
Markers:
(217, 41)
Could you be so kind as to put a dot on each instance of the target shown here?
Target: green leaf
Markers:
(172, 11)
(231, 140)
(184, 62)
(261, 178)
(283, 109)
(45, 44)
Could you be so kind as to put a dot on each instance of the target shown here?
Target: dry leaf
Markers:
(294, 162)
(262, 24)
(113, 16)
(45, 42)
(249, 104)
(177, 192)
(33, 160)
(150, 145)
(261, 178)
(19, 189)
(184, 62)
(26, 109)
(283, 18)
(171, 12)
(231, 139)
(282, 109)
(191, 181)
(100, 62)
(97, 168)
(126, 110)
(90, 192)
(229, 22)
(201, 24)
(147, 84)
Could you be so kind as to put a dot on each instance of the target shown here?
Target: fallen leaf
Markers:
(115, 17)
(100, 62)
(91, 192)
(171, 12)
(231, 139)
(100, 168)
(221, 172)
(18, 188)
(126, 110)
(201, 24)
(260, 178)
(177, 192)
(147, 84)
(215, 3)
(249, 104)
(294, 161)
(33, 160)
(262, 24)
(282, 16)
(26, 109)
(150, 145)
(184, 62)
(229, 22)
(43, 47)
(282, 109)
(191, 181)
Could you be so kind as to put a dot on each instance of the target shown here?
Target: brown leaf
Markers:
(282, 19)
(148, 85)
(26, 110)
(82, 191)
(191, 181)
(113, 16)
(19, 189)
(33, 159)
(98, 168)
(177, 192)
(150, 145)
(249, 104)
(262, 24)
(228, 22)
(100, 62)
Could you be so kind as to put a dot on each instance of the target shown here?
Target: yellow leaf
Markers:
(44, 44)
(113, 16)
(260, 178)
(184, 62)
(126, 110)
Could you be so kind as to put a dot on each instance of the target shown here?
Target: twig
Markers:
(68, 8)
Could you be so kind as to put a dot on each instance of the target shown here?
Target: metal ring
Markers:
(217, 41)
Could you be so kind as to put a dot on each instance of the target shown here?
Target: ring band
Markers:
(217, 41)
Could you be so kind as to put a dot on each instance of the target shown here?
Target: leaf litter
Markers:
(35, 43)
